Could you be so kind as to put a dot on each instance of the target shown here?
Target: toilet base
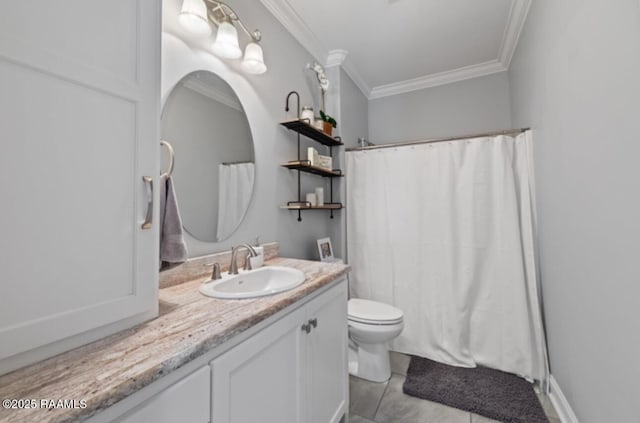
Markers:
(369, 361)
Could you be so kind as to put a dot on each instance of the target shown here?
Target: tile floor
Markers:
(386, 403)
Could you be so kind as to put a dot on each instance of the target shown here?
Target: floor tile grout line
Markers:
(381, 397)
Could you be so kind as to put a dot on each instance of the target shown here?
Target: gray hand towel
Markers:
(173, 249)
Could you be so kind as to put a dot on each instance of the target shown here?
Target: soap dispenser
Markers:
(257, 261)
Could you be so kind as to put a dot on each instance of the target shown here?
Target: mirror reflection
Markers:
(214, 168)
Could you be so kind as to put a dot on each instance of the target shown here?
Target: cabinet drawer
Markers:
(187, 401)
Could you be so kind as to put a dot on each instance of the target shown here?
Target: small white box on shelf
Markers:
(311, 199)
(325, 162)
(312, 156)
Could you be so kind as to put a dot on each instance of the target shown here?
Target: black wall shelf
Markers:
(305, 206)
(305, 166)
(302, 127)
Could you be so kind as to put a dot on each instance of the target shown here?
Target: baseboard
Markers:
(560, 403)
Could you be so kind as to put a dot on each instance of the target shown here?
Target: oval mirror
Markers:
(214, 168)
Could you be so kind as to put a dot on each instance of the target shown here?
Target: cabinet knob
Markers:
(313, 322)
(306, 327)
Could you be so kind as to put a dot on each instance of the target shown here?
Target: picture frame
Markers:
(325, 250)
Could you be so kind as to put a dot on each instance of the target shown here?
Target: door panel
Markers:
(327, 357)
(262, 379)
(188, 400)
(79, 121)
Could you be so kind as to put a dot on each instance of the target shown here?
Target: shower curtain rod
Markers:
(235, 163)
(427, 141)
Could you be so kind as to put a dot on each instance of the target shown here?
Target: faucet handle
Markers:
(247, 262)
(216, 274)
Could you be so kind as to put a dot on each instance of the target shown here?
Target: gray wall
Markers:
(354, 112)
(574, 80)
(263, 97)
(465, 107)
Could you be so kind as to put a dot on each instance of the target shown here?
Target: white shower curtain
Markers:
(235, 186)
(445, 232)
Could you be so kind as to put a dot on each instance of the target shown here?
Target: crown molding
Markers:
(437, 79)
(212, 93)
(293, 23)
(339, 58)
(517, 18)
(336, 58)
(287, 16)
(357, 79)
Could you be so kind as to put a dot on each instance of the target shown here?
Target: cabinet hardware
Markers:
(306, 327)
(148, 220)
(313, 322)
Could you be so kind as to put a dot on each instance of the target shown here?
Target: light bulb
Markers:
(193, 17)
(226, 44)
(253, 59)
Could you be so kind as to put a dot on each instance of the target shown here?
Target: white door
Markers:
(262, 379)
(79, 113)
(327, 357)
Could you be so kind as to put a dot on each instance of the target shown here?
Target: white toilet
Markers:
(372, 325)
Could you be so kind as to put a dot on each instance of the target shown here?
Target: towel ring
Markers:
(172, 160)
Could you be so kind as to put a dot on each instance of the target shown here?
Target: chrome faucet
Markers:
(233, 267)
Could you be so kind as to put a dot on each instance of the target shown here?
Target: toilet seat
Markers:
(373, 312)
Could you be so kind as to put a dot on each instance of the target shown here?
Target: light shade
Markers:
(193, 17)
(226, 44)
(253, 59)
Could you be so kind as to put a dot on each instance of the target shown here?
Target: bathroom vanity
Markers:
(279, 358)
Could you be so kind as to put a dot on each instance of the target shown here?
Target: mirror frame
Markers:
(215, 146)
(180, 59)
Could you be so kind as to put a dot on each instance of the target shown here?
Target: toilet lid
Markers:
(366, 311)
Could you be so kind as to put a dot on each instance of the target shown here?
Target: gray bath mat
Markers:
(491, 393)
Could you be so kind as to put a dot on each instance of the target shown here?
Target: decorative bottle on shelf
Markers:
(320, 196)
(307, 115)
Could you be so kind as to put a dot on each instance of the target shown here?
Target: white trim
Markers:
(336, 58)
(517, 18)
(357, 78)
(212, 93)
(293, 23)
(560, 403)
(287, 16)
(437, 79)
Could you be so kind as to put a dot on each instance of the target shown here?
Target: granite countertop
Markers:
(106, 371)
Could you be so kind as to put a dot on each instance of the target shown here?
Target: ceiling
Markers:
(393, 46)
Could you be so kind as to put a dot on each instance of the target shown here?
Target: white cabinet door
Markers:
(262, 380)
(186, 401)
(79, 113)
(327, 375)
(285, 373)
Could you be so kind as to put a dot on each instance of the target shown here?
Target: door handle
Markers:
(148, 220)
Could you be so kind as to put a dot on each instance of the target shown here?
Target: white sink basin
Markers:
(266, 280)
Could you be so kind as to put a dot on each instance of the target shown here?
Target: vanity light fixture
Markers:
(197, 16)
